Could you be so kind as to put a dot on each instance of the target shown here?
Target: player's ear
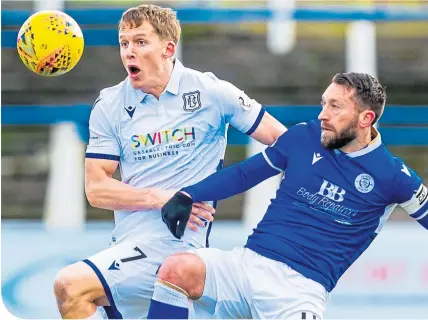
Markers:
(366, 118)
(169, 50)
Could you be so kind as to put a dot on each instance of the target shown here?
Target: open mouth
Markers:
(133, 70)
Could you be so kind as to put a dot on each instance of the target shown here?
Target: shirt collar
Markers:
(374, 144)
(173, 85)
(141, 95)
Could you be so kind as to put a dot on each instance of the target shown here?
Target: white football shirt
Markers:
(168, 143)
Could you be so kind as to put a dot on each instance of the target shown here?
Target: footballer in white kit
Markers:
(165, 127)
(168, 143)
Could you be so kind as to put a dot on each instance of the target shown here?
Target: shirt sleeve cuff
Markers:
(257, 122)
(102, 156)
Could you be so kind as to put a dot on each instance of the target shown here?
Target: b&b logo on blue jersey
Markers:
(332, 191)
(327, 200)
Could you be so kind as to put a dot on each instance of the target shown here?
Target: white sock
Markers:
(97, 315)
(171, 294)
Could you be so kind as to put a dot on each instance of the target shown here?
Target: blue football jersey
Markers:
(331, 205)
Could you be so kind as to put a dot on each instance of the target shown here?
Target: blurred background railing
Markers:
(282, 53)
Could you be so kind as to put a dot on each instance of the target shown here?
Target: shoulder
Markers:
(110, 94)
(306, 129)
(205, 80)
(297, 132)
(110, 98)
(399, 168)
(309, 128)
(396, 177)
(388, 163)
(407, 187)
(108, 105)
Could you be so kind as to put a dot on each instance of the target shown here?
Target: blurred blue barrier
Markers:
(103, 16)
(400, 125)
(109, 17)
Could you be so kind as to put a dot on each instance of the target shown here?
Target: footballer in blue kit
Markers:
(340, 186)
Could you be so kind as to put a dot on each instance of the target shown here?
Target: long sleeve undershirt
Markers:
(232, 180)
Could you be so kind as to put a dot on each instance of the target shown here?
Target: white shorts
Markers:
(243, 284)
(128, 270)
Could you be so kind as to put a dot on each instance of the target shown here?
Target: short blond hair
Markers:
(163, 20)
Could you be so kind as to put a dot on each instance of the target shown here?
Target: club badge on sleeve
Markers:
(245, 102)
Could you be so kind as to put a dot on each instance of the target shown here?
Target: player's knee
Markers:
(65, 289)
(174, 270)
(186, 271)
(72, 283)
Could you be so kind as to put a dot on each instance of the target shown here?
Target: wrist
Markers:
(162, 197)
(185, 197)
(186, 194)
(189, 192)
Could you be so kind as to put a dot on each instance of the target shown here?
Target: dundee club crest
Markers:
(192, 101)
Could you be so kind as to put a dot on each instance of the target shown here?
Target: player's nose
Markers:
(130, 56)
(130, 53)
(323, 115)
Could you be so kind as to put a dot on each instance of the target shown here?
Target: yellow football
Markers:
(50, 43)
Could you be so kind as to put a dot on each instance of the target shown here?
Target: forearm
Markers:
(112, 194)
(232, 180)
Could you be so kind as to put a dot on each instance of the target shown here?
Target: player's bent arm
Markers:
(268, 130)
(103, 191)
(246, 114)
(411, 194)
(417, 206)
(232, 180)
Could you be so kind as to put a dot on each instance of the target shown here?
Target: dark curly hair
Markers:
(368, 91)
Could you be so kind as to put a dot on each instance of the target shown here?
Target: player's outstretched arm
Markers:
(220, 185)
(232, 180)
(247, 174)
(103, 191)
(228, 182)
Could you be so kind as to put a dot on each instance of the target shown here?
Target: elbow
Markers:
(271, 139)
(277, 133)
(274, 135)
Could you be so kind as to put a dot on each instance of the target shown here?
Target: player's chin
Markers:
(135, 81)
(326, 139)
